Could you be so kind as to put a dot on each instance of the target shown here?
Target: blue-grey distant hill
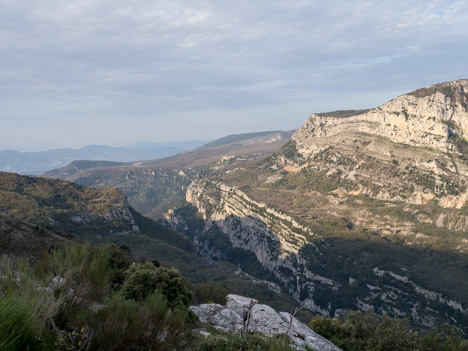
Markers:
(34, 163)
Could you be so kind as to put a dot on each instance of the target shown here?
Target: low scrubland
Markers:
(84, 297)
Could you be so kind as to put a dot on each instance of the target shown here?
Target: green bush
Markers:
(68, 302)
(19, 328)
(82, 276)
(27, 308)
(444, 338)
(140, 325)
(209, 293)
(144, 279)
(236, 342)
(119, 261)
(368, 331)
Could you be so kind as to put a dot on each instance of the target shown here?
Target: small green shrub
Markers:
(144, 279)
(48, 306)
(119, 261)
(236, 342)
(209, 293)
(83, 275)
(19, 327)
(25, 298)
(444, 338)
(140, 325)
(368, 331)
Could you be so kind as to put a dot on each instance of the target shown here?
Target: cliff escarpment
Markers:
(359, 210)
(226, 224)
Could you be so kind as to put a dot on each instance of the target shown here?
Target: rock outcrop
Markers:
(420, 137)
(264, 319)
(414, 119)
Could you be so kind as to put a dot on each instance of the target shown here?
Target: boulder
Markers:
(206, 311)
(239, 304)
(228, 321)
(264, 319)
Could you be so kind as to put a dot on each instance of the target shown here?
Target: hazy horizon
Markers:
(87, 72)
(162, 144)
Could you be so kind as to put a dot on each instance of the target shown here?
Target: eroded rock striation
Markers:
(419, 137)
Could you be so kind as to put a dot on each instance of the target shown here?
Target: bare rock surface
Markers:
(264, 319)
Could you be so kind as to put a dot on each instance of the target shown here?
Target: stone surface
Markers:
(206, 311)
(264, 319)
(407, 119)
(239, 304)
(227, 320)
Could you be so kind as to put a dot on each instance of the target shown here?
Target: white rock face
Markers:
(407, 119)
(263, 319)
(232, 201)
(274, 237)
(239, 304)
(421, 131)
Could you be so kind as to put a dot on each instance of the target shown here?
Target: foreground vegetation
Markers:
(86, 297)
(97, 298)
(368, 331)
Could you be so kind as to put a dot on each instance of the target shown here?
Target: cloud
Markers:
(161, 58)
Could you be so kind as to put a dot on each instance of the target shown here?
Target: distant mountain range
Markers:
(154, 186)
(34, 163)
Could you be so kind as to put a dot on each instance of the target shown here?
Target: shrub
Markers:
(119, 261)
(330, 328)
(209, 293)
(236, 342)
(140, 325)
(144, 279)
(19, 329)
(27, 308)
(368, 331)
(444, 338)
(82, 277)
(48, 306)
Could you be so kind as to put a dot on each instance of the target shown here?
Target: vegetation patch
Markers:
(368, 331)
(343, 113)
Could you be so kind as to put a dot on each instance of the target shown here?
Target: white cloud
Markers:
(154, 57)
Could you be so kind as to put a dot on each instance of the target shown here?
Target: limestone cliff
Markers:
(423, 118)
(357, 211)
(421, 136)
(292, 252)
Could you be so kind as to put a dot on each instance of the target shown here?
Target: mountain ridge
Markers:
(35, 163)
(65, 206)
(386, 183)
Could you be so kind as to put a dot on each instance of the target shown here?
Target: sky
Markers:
(117, 72)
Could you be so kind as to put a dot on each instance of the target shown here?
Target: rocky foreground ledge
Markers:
(232, 318)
